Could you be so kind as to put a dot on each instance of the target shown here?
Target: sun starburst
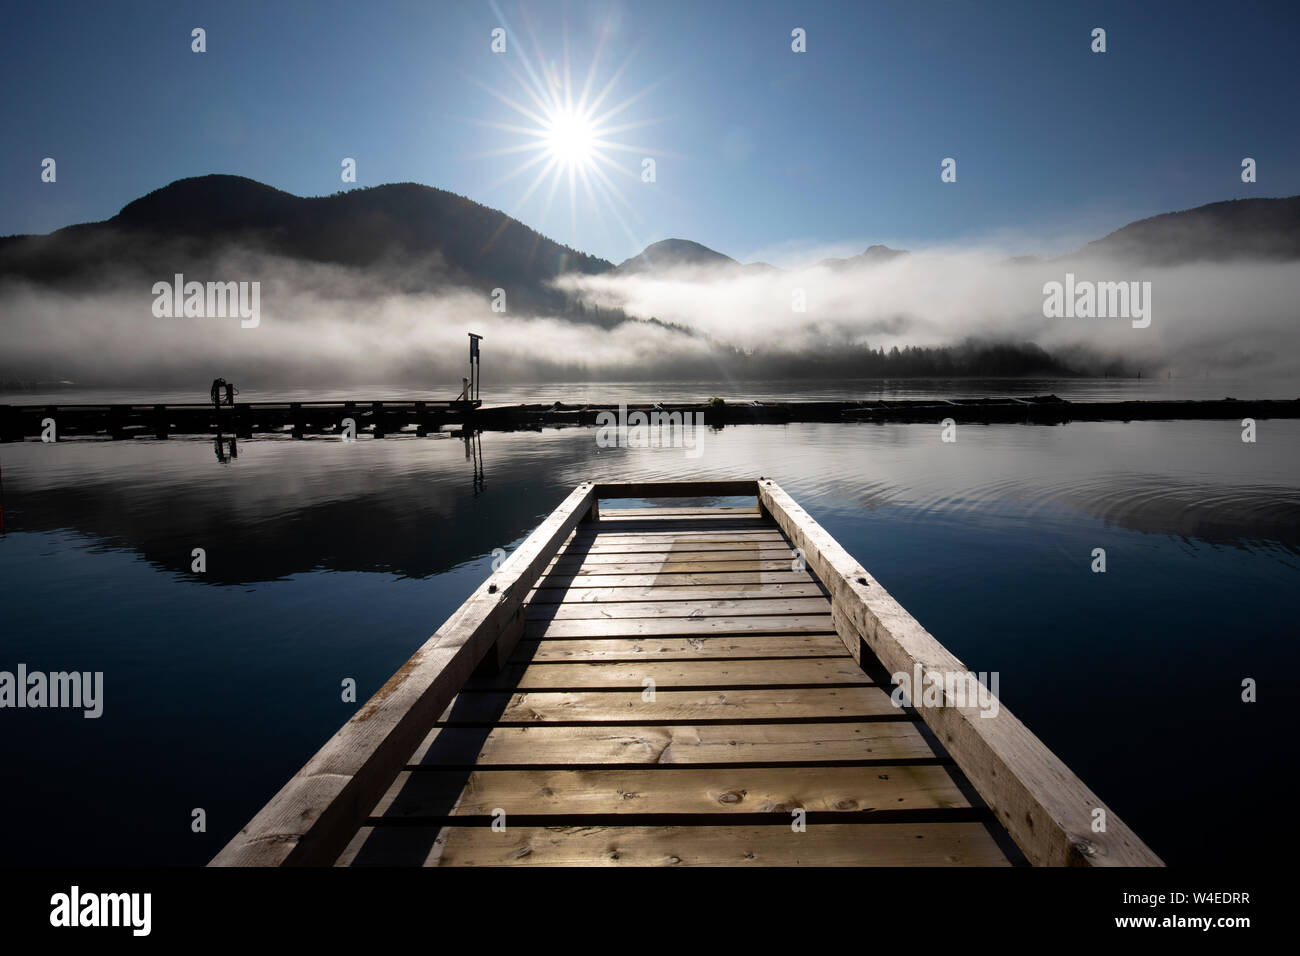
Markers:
(569, 134)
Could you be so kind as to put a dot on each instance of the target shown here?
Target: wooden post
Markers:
(117, 415)
(499, 653)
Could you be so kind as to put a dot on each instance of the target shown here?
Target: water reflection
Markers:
(474, 454)
(226, 449)
(409, 507)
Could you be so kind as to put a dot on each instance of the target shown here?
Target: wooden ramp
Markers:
(674, 686)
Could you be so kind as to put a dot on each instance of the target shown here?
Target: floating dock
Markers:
(693, 685)
(380, 419)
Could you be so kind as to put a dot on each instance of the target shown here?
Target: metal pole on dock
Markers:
(473, 366)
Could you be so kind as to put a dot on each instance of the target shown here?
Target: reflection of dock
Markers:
(379, 419)
(681, 685)
(474, 454)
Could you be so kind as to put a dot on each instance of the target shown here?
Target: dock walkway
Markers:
(678, 686)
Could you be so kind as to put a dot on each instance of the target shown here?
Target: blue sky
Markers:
(760, 151)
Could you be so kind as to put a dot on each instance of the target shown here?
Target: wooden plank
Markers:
(708, 511)
(726, 488)
(701, 522)
(675, 567)
(673, 674)
(435, 794)
(683, 524)
(676, 546)
(678, 540)
(678, 706)
(679, 648)
(314, 815)
(668, 593)
(592, 610)
(679, 579)
(595, 533)
(570, 559)
(1045, 808)
(681, 626)
(539, 745)
(832, 844)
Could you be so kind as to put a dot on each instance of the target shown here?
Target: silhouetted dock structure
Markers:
(693, 685)
(384, 418)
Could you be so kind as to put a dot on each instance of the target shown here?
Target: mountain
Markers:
(421, 236)
(417, 238)
(1256, 229)
(673, 254)
(679, 253)
(873, 255)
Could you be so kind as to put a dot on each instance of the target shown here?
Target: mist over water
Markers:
(405, 324)
(1205, 316)
(329, 560)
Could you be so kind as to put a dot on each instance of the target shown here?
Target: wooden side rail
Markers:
(1046, 809)
(722, 488)
(310, 821)
(677, 489)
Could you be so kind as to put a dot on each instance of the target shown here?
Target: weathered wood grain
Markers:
(595, 610)
(677, 706)
(669, 594)
(679, 648)
(681, 790)
(867, 844)
(541, 745)
(681, 626)
(670, 674)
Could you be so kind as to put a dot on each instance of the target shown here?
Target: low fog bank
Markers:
(1216, 317)
(328, 324)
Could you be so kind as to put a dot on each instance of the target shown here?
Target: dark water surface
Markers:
(329, 560)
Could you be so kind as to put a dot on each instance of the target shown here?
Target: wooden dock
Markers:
(241, 420)
(385, 418)
(680, 686)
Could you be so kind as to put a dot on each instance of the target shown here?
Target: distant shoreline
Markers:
(355, 419)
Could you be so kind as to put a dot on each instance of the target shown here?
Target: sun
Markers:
(570, 139)
(569, 135)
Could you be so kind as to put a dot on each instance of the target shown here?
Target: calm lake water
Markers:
(328, 560)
